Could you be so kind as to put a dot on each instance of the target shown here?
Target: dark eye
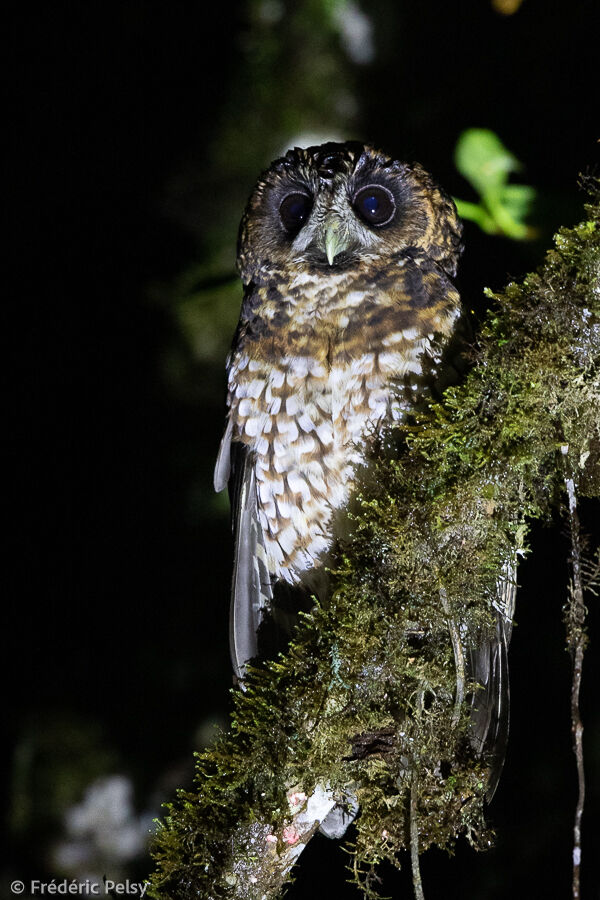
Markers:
(375, 204)
(295, 210)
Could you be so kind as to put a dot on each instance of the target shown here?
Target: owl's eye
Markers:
(375, 204)
(295, 210)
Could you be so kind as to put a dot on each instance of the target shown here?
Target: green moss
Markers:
(438, 520)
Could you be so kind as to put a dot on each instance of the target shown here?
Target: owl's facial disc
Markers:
(332, 235)
(337, 206)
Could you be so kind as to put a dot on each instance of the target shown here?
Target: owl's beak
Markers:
(336, 239)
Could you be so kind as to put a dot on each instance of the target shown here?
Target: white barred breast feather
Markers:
(307, 422)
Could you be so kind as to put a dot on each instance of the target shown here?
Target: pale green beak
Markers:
(336, 239)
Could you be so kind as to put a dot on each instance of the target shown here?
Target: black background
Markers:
(118, 608)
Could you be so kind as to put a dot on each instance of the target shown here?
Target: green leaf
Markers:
(475, 212)
(518, 199)
(487, 164)
(481, 157)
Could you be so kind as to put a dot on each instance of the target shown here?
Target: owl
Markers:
(347, 258)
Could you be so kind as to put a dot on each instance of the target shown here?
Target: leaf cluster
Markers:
(484, 161)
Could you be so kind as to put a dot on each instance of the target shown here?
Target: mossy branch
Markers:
(364, 704)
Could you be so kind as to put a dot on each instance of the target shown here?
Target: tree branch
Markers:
(446, 514)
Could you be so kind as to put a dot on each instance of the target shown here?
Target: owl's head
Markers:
(332, 206)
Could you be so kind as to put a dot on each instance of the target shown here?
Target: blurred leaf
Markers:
(506, 7)
(481, 157)
(518, 200)
(475, 212)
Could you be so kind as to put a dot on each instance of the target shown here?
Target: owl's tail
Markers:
(487, 665)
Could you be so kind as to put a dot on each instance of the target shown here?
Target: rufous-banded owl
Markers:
(346, 257)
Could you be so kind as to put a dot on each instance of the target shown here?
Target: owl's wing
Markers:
(487, 664)
(251, 585)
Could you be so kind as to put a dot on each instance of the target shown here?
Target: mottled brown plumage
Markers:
(323, 346)
(346, 258)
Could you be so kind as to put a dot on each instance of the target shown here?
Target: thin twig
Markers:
(575, 621)
(577, 729)
(414, 819)
(414, 840)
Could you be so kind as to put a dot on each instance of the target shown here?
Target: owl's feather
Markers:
(488, 725)
(251, 590)
(488, 668)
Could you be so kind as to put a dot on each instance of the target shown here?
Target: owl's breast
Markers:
(310, 386)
